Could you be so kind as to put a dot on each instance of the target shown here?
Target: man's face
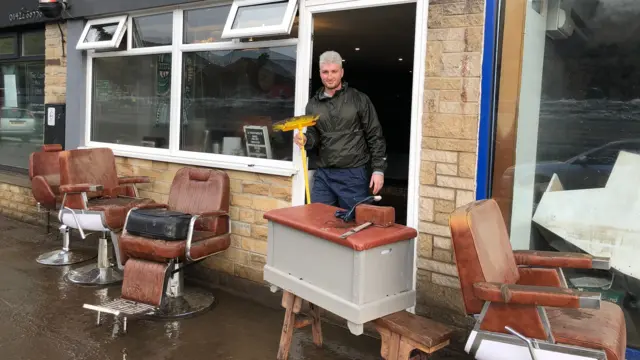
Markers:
(331, 75)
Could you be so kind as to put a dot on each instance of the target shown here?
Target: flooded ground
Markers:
(42, 318)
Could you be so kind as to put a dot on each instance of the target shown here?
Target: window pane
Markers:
(33, 43)
(21, 112)
(260, 15)
(224, 91)
(568, 106)
(155, 30)
(7, 46)
(205, 25)
(130, 100)
(103, 32)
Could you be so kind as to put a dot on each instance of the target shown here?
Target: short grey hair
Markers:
(330, 57)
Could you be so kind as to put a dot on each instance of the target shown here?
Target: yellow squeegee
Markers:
(299, 122)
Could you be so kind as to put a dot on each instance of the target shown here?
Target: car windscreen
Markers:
(15, 113)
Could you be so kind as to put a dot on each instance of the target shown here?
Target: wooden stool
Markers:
(403, 332)
(293, 305)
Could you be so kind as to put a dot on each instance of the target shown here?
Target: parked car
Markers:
(588, 170)
(17, 122)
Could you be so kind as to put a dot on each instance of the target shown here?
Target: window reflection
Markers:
(205, 25)
(130, 100)
(589, 112)
(154, 30)
(229, 94)
(21, 111)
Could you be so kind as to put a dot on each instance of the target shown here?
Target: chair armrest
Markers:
(125, 180)
(192, 225)
(213, 214)
(151, 206)
(560, 259)
(536, 295)
(79, 188)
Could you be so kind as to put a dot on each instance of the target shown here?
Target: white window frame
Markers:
(272, 30)
(114, 43)
(173, 154)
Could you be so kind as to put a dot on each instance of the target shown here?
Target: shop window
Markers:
(568, 106)
(153, 30)
(205, 25)
(103, 33)
(33, 43)
(21, 111)
(231, 98)
(256, 18)
(131, 100)
(8, 46)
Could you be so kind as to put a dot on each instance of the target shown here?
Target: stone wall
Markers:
(55, 80)
(449, 145)
(16, 200)
(251, 195)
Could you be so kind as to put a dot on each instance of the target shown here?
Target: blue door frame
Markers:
(487, 96)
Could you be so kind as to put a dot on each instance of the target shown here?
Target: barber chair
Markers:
(520, 299)
(153, 282)
(44, 173)
(95, 199)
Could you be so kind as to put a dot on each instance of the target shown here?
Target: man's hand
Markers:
(377, 181)
(300, 139)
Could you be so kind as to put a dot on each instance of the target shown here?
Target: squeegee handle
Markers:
(303, 154)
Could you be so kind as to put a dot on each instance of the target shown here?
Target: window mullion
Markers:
(176, 83)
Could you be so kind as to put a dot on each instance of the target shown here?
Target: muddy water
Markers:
(41, 317)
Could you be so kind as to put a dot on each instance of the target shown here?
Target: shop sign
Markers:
(25, 15)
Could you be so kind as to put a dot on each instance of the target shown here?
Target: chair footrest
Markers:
(122, 307)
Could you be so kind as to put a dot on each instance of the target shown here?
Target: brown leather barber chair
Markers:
(94, 199)
(44, 173)
(153, 282)
(522, 305)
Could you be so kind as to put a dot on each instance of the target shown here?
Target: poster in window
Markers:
(257, 141)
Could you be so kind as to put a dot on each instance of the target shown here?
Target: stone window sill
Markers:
(16, 179)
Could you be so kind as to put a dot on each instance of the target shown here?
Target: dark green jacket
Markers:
(348, 133)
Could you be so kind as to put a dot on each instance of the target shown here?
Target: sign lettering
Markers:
(24, 15)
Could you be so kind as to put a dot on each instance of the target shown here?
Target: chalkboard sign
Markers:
(257, 141)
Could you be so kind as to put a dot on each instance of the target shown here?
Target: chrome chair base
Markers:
(66, 257)
(193, 301)
(94, 275)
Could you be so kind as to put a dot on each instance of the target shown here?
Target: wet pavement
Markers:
(42, 318)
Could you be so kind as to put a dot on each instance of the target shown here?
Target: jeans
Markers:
(340, 187)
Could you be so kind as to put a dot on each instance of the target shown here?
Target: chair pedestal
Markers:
(102, 272)
(65, 256)
(181, 301)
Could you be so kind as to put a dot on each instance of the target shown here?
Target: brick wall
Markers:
(449, 144)
(55, 80)
(16, 200)
(251, 195)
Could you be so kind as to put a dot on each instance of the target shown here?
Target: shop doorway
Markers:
(377, 47)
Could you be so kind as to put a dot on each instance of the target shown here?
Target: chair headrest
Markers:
(51, 147)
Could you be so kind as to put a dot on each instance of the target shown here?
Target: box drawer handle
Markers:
(385, 252)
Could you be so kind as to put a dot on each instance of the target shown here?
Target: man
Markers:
(347, 137)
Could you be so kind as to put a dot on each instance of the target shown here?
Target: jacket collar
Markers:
(320, 95)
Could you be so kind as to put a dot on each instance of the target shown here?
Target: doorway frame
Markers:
(309, 8)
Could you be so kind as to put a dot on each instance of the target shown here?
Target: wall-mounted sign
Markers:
(24, 15)
(257, 141)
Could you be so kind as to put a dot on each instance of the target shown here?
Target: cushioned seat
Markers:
(513, 289)
(44, 173)
(115, 209)
(594, 329)
(97, 199)
(203, 243)
(153, 273)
